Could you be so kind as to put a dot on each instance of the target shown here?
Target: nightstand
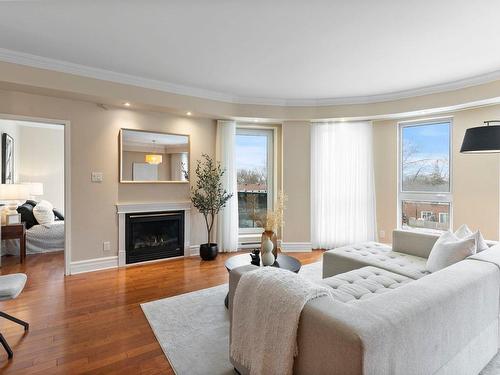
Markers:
(16, 232)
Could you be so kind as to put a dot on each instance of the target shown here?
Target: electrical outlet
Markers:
(97, 177)
(382, 234)
(106, 246)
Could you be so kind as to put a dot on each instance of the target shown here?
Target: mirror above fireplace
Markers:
(153, 157)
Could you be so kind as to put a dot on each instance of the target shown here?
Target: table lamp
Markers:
(12, 194)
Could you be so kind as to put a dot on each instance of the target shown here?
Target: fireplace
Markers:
(154, 235)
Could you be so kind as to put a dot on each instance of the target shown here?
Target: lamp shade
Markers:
(154, 159)
(482, 139)
(14, 192)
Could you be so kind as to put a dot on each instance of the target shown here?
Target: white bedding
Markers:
(39, 239)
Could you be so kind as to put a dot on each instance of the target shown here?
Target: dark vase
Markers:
(208, 251)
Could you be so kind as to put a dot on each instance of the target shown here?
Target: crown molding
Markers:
(35, 61)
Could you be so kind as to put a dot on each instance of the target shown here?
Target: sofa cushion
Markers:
(449, 249)
(363, 283)
(464, 232)
(348, 258)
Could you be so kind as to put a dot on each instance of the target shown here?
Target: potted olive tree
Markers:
(209, 197)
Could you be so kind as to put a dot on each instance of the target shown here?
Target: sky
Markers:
(431, 141)
(251, 151)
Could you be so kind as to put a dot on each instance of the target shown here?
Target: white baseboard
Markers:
(90, 265)
(194, 250)
(295, 247)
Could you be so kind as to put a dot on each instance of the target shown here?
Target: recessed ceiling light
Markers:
(188, 113)
(255, 120)
(126, 104)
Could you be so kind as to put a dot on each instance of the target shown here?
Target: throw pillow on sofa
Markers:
(43, 213)
(448, 250)
(464, 232)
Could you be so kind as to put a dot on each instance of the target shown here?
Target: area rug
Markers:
(193, 329)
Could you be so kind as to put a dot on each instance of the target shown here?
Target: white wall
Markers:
(39, 157)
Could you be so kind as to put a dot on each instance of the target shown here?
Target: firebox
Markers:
(154, 235)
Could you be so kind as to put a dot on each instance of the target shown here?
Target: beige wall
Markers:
(94, 147)
(296, 180)
(475, 178)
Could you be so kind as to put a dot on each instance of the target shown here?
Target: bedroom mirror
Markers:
(152, 157)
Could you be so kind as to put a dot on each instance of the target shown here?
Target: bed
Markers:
(39, 239)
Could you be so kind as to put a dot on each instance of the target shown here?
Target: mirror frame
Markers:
(120, 163)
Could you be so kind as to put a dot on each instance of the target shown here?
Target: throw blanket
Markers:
(266, 312)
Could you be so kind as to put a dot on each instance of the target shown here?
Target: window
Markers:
(425, 215)
(444, 217)
(254, 164)
(425, 198)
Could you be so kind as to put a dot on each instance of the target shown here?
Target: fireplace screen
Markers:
(157, 235)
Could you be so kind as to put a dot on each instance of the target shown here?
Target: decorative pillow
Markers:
(26, 211)
(43, 213)
(464, 232)
(59, 216)
(31, 202)
(448, 250)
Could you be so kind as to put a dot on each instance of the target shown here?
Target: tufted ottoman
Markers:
(363, 283)
(348, 258)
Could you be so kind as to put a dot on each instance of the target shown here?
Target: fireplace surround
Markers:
(152, 231)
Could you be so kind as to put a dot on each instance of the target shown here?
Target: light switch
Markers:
(97, 177)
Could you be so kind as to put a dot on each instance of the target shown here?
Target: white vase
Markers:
(267, 253)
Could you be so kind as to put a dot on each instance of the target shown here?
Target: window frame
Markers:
(272, 168)
(427, 213)
(444, 214)
(424, 196)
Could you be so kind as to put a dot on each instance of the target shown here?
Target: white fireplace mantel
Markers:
(134, 207)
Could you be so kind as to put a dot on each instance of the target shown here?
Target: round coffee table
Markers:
(283, 261)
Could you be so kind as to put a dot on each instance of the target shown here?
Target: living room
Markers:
(194, 176)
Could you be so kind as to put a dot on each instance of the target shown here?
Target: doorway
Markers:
(35, 191)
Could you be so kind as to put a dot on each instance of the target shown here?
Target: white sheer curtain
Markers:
(342, 184)
(227, 221)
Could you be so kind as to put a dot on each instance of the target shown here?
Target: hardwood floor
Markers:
(92, 323)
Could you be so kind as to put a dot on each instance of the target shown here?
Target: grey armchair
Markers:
(10, 287)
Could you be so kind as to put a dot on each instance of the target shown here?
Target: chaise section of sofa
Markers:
(348, 258)
(407, 256)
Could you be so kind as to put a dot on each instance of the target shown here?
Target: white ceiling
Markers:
(273, 52)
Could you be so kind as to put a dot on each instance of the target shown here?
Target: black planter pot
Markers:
(208, 251)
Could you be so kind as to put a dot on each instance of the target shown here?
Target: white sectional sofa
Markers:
(407, 256)
(388, 315)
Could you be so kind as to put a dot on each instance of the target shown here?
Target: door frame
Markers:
(67, 178)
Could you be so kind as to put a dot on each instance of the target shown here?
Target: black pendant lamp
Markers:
(482, 139)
